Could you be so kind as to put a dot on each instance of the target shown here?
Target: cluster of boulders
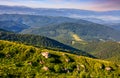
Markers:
(8, 55)
(46, 55)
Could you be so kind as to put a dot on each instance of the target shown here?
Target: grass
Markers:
(19, 60)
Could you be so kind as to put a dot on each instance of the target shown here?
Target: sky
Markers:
(97, 5)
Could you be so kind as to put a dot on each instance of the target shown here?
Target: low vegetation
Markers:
(19, 60)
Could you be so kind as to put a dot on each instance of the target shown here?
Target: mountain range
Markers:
(62, 43)
(108, 16)
(36, 25)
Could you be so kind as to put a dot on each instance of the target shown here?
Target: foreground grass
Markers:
(21, 61)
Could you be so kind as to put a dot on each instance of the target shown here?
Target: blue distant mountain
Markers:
(53, 12)
(106, 16)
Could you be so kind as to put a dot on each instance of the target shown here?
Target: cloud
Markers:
(77, 4)
(107, 4)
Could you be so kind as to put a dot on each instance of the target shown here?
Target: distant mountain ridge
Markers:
(52, 12)
(36, 22)
(101, 17)
(107, 16)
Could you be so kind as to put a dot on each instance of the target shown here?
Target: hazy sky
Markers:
(99, 5)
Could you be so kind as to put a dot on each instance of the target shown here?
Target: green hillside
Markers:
(40, 41)
(21, 61)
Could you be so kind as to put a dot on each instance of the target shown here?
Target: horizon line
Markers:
(57, 8)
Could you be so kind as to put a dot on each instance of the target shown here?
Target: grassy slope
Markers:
(18, 60)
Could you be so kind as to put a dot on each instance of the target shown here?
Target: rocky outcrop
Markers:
(46, 54)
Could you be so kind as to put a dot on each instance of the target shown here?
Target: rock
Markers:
(45, 68)
(30, 63)
(108, 68)
(41, 62)
(63, 54)
(78, 67)
(45, 54)
(67, 60)
(82, 66)
(8, 55)
(73, 42)
(68, 71)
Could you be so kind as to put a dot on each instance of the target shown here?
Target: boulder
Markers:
(46, 54)
(41, 62)
(108, 68)
(67, 60)
(45, 68)
(30, 63)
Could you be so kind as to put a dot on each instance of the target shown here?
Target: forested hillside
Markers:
(108, 50)
(18, 60)
(87, 31)
(38, 21)
(40, 41)
(13, 26)
(53, 26)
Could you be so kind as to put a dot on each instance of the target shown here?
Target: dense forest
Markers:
(13, 26)
(108, 50)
